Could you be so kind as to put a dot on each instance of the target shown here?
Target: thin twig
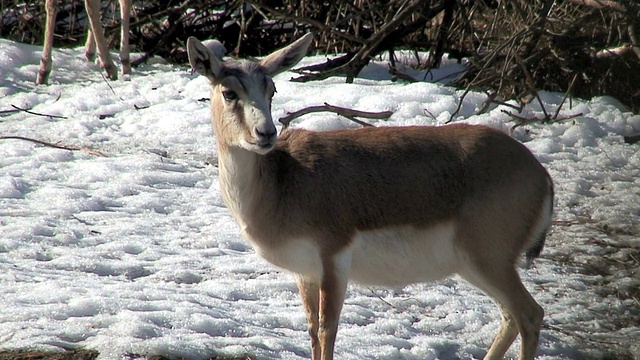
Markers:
(491, 96)
(566, 95)
(466, 91)
(532, 85)
(382, 299)
(55, 146)
(426, 111)
(110, 87)
(520, 121)
(38, 114)
(575, 334)
(348, 113)
(3, 112)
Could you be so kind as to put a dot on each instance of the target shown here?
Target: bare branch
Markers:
(348, 113)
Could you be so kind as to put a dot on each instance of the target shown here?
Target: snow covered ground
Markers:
(134, 253)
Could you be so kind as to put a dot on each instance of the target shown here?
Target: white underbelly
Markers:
(406, 255)
(386, 257)
(300, 256)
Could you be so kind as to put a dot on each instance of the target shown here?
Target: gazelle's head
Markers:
(241, 92)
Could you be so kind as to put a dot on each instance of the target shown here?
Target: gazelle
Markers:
(95, 36)
(382, 206)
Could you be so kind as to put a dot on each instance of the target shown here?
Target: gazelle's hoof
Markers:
(126, 66)
(43, 78)
(112, 72)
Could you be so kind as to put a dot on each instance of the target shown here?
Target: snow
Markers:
(135, 253)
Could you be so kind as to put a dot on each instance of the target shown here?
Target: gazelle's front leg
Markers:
(310, 293)
(322, 300)
(333, 287)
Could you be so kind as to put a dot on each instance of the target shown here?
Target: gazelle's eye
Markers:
(229, 95)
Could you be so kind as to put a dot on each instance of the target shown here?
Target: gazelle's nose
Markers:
(267, 133)
(266, 137)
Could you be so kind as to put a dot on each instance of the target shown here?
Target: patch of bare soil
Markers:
(77, 354)
(607, 259)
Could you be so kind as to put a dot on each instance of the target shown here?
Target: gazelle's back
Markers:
(378, 177)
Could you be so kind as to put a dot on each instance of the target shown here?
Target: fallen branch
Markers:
(348, 113)
(55, 146)
(38, 114)
(3, 112)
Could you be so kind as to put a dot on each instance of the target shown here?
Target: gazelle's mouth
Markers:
(264, 142)
(261, 147)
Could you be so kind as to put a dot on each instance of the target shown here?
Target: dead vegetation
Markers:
(603, 255)
(84, 354)
(515, 48)
(76, 354)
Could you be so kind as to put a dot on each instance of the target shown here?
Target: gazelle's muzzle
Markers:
(263, 130)
(266, 138)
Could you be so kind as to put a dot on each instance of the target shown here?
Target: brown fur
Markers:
(338, 182)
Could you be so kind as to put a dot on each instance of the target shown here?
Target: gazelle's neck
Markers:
(240, 181)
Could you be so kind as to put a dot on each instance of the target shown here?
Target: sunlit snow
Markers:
(135, 253)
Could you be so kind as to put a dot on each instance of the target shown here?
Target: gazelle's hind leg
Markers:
(97, 32)
(506, 335)
(520, 312)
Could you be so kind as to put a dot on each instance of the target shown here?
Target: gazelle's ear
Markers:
(287, 57)
(202, 60)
